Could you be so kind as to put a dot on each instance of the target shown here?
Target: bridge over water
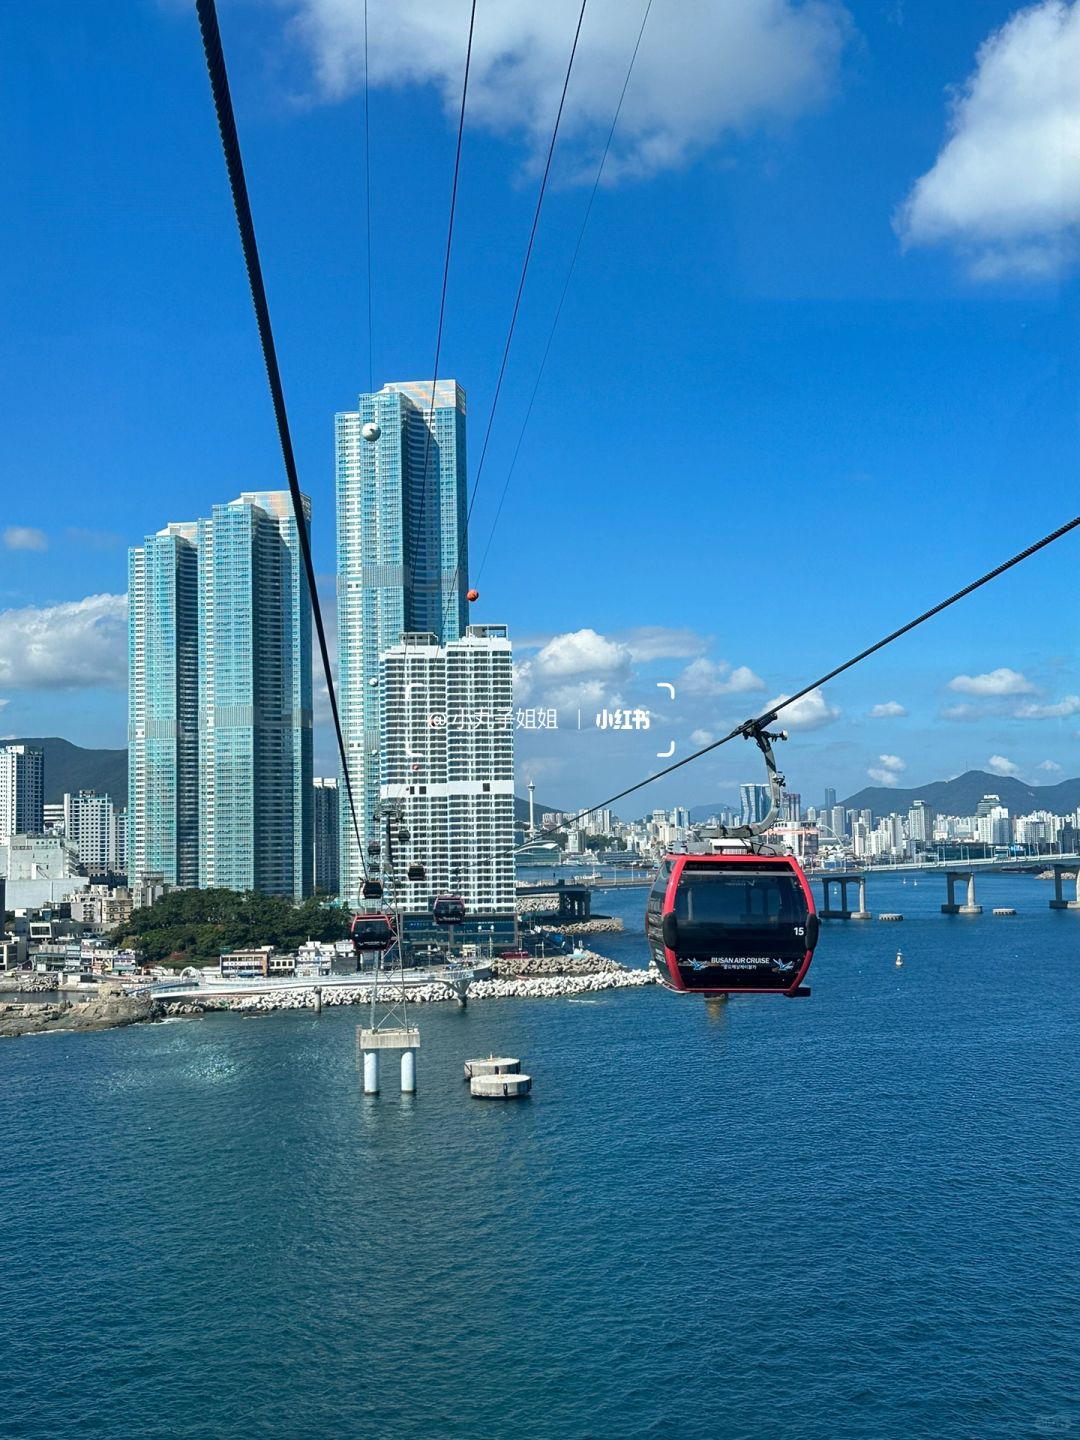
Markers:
(954, 871)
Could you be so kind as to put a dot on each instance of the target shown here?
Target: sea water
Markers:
(851, 1215)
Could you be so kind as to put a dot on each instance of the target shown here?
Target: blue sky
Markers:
(817, 365)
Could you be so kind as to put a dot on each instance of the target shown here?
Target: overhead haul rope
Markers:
(562, 297)
(517, 306)
(219, 84)
(418, 528)
(367, 196)
(750, 728)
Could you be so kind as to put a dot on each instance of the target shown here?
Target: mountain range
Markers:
(69, 768)
(960, 795)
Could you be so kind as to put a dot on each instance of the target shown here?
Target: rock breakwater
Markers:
(537, 987)
(587, 963)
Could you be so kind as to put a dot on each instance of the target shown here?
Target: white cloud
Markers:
(576, 670)
(998, 765)
(661, 642)
(888, 769)
(3, 703)
(887, 710)
(810, 713)
(961, 712)
(701, 737)
(524, 680)
(80, 644)
(883, 777)
(581, 652)
(25, 537)
(720, 69)
(587, 695)
(1005, 188)
(1051, 767)
(716, 677)
(1069, 705)
(1002, 681)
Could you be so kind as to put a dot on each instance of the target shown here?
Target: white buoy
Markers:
(371, 431)
(899, 958)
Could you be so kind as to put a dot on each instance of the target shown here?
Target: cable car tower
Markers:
(388, 1027)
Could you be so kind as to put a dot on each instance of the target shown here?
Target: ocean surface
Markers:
(853, 1215)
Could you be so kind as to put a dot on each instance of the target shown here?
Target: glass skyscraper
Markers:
(255, 766)
(402, 561)
(221, 666)
(163, 734)
(327, 835)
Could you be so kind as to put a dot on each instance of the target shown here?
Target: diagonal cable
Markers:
(767, 718)
(562, 297)
(462, 545)
(219, 84)
(418, 528)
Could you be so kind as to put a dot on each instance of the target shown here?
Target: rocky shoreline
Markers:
(105, 1013)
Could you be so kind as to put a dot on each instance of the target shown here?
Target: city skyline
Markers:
(899, 405)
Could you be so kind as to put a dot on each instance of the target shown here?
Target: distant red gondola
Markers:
(448, 910)
(372, 932)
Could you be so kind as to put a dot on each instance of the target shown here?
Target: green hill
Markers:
(69, 768)
(961, 795)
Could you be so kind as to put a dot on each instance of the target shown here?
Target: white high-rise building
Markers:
(447, 743)
(90, 823)
(22, 791)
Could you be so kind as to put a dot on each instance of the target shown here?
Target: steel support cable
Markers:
(367, 195)
(562, 297)
(418, 528)
(517, 306)
(219, 84)
(767, 717)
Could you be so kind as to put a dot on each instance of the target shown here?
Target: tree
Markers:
(197, 926)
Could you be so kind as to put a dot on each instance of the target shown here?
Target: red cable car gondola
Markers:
(732, 924)
(448, 910)
(372, 932)
(738, 922)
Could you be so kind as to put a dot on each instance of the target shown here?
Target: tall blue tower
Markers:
(402, 560)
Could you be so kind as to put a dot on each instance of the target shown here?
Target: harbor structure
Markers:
(402, 561)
